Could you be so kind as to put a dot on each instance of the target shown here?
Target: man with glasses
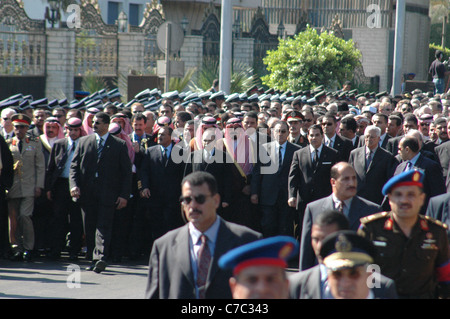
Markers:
(7, 127)
(341, 144)
(184, 262)
(100, 180)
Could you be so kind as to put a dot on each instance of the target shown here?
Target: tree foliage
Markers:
(310, 59)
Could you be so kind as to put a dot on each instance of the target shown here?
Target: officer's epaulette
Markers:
(435, 221)
(33, 138)
(373, 217)
(9, 140)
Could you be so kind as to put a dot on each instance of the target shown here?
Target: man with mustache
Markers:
(184, 262)
(344, 199)
(412, 249)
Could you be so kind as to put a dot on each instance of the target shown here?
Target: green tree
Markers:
(310, 59)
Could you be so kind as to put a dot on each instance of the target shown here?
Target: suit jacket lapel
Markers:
(312, 285)
(224, 243)
(182, 253)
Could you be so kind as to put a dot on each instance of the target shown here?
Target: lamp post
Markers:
(280, 30)
(184, 24)
(122, 22)
(236, 29)
(52, 14)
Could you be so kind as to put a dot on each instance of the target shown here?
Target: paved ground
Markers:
(45, 279)
(62, 279)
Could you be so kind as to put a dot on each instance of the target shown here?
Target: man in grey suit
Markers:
(270, 184)
(184, 262)
(100, 180)
(374, 166)
(344, 199)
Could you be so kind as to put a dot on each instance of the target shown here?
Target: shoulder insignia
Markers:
(373, 217)
(435, 221)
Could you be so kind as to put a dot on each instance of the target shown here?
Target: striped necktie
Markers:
(203, 262)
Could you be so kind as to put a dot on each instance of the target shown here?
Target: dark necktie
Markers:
(316, 158)
(280, 157)
(408, 166)
(203, 262)
(20, 146)
(164, 156)
(100, 147)
(369, 159)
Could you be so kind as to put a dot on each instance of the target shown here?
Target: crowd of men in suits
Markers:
(106, 175)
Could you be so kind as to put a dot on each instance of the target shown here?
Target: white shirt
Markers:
(195, 243)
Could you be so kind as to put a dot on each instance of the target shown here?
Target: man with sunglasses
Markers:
(100, 180)
(184, 262)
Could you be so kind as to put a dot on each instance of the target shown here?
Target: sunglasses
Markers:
(352, 274)
(308, 120)
(327, 124)
(199, 199)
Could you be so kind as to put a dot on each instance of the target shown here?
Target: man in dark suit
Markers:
(341, 144)
(347, 128)
(343, 199)
(100, 179)
(66, 215)
(139, 236)
(160, 177)
(309, 175)
(439, 208)
(434, 182)
(373, 165)
(184, 262)
(214, 161)
(270, 184)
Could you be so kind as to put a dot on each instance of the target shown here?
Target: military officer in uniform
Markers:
(412, 249)
(29, 175)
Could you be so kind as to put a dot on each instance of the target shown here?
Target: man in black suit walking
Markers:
(309, 175)
(270, 188)
(66, 215)
(373, 165)
(100, 179)
(344, 200)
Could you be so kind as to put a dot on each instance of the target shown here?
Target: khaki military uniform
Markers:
(29, 173)
(419, 264)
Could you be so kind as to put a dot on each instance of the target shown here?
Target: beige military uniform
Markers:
(29, 173)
